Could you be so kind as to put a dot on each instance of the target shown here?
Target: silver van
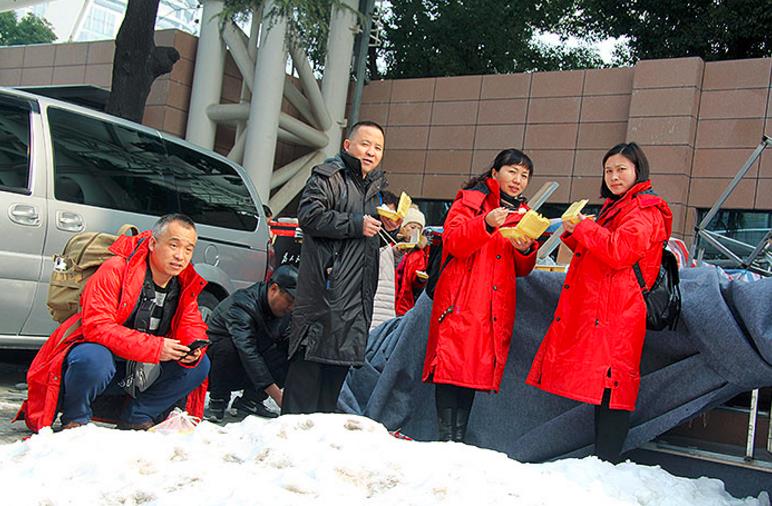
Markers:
(65, 169)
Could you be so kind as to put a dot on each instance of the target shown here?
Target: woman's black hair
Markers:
(635, 154)
(509, 156)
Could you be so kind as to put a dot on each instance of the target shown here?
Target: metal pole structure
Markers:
(265, 107)
(246, 91)
(337, 68)
(207, 76)
(361, 59)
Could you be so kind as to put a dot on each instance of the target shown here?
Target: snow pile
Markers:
(317, 459)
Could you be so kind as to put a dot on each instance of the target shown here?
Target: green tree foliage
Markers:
(28, 30)
(427, 38)
(711, 29)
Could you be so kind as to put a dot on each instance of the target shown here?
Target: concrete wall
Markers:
(698, 122)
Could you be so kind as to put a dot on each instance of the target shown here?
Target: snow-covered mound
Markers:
(317, 459)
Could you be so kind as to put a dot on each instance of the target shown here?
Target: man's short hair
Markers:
(389, 198)
(163, 222)
(365, 123)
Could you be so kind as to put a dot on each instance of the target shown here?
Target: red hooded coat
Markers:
(408, 280)
(108, 299)
(596, 337)
(474, 302)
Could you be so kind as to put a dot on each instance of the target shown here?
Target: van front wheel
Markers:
(207, 301)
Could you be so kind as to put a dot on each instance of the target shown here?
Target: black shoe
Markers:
(445, 423)
(215, 412)
(252, 407)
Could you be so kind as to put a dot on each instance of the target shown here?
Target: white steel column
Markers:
(262, 130)
(207, 76)
(337, 69)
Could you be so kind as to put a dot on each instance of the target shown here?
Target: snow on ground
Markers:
(316, 459)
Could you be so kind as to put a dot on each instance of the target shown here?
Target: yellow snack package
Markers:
(532, 225)
(404, 204)
(572, 213)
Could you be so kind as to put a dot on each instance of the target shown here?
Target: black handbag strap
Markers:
(639, 277)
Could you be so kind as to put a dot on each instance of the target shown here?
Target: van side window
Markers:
(102, 164)
(14, 147)
(211, 192)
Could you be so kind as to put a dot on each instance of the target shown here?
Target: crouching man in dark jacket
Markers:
(249, 346)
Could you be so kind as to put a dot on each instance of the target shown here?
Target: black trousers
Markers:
(312, 387)
(228, 374)
(452, 396)
(611, 428)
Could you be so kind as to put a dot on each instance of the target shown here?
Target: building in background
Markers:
(89, 20)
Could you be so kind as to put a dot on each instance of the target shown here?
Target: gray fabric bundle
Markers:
(722, 347)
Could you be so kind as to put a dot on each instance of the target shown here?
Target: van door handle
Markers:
(24, 215)
(69, 222)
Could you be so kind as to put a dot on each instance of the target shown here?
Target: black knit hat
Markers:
(286, 276)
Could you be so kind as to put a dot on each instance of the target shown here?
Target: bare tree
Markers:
(137, 61)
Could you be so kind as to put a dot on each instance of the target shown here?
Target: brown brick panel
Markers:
(231, 86)
(765, 167)
(557, 84)
(377, 92)
(413, 90)
(71, 74)
(502, 112)
(154, 116)
(99, 75)
(729, 133)
(39, 55)
(11, 57)
(600, 135)
(665, 102)
(410, 113)
(438, 186)
(669, 159)
(704, 192)
(722, 162)
(506, 86)
(408, 183)
(175, 122)
(561, 195)
(407, 137)
(452, 137)
(763, 194)
(585, 187)
(674, 188)
(662, 131)
(403, 160)
(608, 81)
(454, 113)
(679, 219)
(553, 110)
(458, 88)
(499, 137)
(670, 73)
(448, 161)
(734, 74)
(178, 95)
(71, 54)
(552, 162)
(182, 72)
(10, 77)
(37, 76)
(186, 44)
(747, 103)
(559, 136)
(159, 92)
(588, 162)
(101, 52)
(482, 159)
(605, 108)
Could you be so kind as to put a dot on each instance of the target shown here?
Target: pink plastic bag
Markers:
(178, 421)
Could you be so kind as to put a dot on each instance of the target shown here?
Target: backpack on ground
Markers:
(82, 256)
(663, 299)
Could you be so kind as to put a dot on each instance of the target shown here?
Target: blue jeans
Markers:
(91, 370)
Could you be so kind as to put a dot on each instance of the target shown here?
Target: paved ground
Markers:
(13, 390)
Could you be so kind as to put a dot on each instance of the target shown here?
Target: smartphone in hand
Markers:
(198, 343)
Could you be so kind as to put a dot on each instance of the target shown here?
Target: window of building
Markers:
(102, 164)
(741, 230)
(14, 147)
(211, 192)
(100, 22)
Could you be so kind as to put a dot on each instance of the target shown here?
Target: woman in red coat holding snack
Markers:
(474, 301)
(592, 350)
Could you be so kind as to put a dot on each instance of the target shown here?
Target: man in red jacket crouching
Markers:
(140, 306)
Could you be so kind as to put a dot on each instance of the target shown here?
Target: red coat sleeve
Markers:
(524, 264)
(99, 316)
(569, 240)
(625, 245)
(465, 231)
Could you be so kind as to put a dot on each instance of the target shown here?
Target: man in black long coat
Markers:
(338, 271)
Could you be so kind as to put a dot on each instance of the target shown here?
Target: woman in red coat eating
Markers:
(592, 350)
(474, 301)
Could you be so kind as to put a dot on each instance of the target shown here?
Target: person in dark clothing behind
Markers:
(338, 271)
(249, 345)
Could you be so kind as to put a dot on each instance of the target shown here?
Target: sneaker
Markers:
(215, 412)
(144, 425)
(252, 407)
